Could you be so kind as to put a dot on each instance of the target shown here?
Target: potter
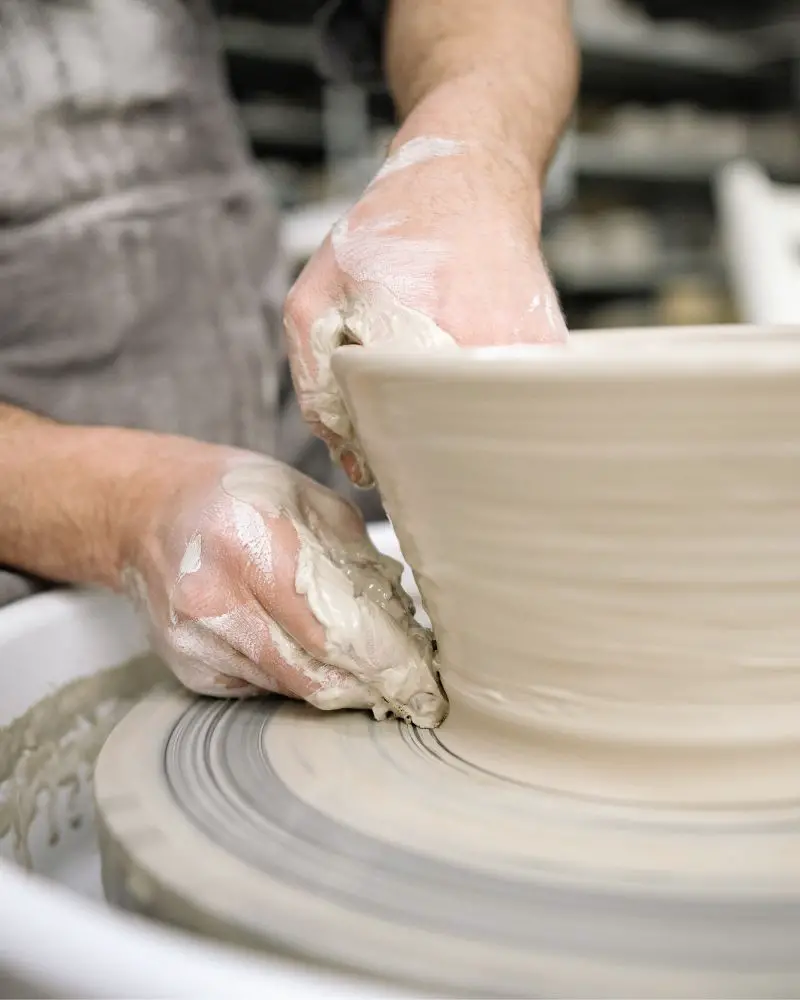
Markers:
(124, 411)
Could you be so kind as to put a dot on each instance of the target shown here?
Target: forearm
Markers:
(65, 497)
(511, 67)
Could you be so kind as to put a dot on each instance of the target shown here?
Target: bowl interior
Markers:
(664, 351)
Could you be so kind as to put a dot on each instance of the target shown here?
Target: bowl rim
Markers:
(712, 351)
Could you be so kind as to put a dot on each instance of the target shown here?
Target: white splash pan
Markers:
(58, 938)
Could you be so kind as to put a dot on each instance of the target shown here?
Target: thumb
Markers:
(370, 634)
(377, 321)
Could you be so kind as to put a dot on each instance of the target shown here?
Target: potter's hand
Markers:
(441, 251)
(254, 578)
(443, 248)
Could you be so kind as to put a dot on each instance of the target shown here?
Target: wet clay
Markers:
(371, 845)
(607, 541)
(606, 536)
(54, 745)
(355, 593)
(377, 321)
(266, 581)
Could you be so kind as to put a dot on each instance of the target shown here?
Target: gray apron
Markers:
(140, 283)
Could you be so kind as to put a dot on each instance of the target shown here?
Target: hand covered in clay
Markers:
(440, 252)
(254, 578)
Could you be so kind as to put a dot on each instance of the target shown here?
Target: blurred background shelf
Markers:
(251, 38)
(602, 157)
(635, 280)
(672, 91)
(656, 48)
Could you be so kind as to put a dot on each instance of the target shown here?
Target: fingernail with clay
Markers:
(391, 656)
(355, 469)
(428, 706)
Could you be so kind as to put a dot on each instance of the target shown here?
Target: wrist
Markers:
(75, 501)
(156, 479)
(58, 503)
(508, 71)
(500, 141)
(103, 465)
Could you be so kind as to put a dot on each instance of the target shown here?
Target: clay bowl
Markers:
(606, 537)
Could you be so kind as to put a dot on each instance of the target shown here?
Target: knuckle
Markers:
(192, 674)
(198, 682)
(192, 599)
(209, 684)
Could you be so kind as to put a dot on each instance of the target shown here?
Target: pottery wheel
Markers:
(371, 846)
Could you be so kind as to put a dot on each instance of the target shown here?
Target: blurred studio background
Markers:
(642, 216)
(674, 199)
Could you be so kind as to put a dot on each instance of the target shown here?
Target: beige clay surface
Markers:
(54, 745)
(372, 846)
(606, 538)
